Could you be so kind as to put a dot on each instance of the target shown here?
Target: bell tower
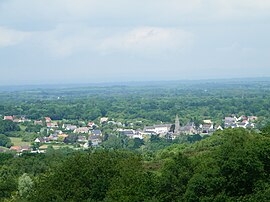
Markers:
(177, 125)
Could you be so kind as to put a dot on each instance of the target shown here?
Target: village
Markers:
(91, 134)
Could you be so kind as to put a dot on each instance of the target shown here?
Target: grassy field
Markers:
(4, 148)
(18, 142)
(22, 127)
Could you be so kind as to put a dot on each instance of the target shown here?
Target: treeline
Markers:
(231, 165)
(147, 104)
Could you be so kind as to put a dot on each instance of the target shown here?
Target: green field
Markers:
(18, 142)
(4, 148)
(22, 127)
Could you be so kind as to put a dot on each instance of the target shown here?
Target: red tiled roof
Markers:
(8, 117)
(16, 148)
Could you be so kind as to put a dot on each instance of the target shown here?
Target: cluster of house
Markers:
(206, 128)
(240, 122)
(61, 133)
(83, 135)
(90, 135)
(20, 149)
(16, 119)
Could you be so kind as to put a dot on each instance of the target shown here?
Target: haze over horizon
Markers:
(90, 41)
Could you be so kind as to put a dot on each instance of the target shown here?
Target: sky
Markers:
(89, 41)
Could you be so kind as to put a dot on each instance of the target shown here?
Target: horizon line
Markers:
(112, 83)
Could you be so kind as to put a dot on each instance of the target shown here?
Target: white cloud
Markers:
(148, 40)
(9, 37)
(67, 40)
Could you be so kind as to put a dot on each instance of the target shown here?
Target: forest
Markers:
(229, 165)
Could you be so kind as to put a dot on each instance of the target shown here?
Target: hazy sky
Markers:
(73, 41)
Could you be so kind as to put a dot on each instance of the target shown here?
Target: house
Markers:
(17, 120)
(128, 133)
(229, 120)
(91, 124)
(241, 125)
(207, 128)
(117, 123)
(231, 125)
(81, 130)
(242, 118)
(8, 118)
(149, 130)
(41, 139)
(48, 119)
(250, 125)
(252, 118)
(42, 148)
(96, 132)
(25, 148)
(131, 133)
(82, 138)
(158, 129)
(86, 145)
(52, 125)
(95, 140)
(137, 135)
(104, 120)
(58, 132)
(189, 129)
(62, 137)
(207, 121)
(38, 122)
(20, 149)
(24, 119)
(219, 128)
(15, 148)
(53, 137)
(245, 121)
(69, 127)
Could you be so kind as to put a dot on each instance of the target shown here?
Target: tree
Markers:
(135, 143)
(132, 182)
(25, 185)
(174, 178)
(5, 141)
(8, 182)
(83, 176)
(113, 142)
(7, 126)
(5, 157)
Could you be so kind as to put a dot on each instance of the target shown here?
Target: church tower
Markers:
(177, 125)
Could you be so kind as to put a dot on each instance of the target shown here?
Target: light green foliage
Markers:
(115, 142)
(25, 185)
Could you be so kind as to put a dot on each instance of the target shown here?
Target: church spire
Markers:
(177, 125)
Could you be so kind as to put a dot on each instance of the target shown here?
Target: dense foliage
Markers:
(8, 126)
(231, 165)
(5, 141)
